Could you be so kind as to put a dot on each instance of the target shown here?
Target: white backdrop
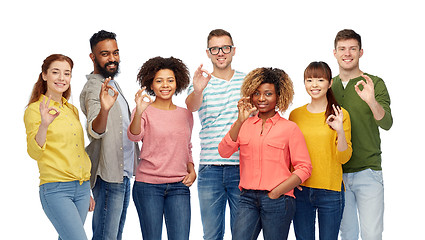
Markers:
(265, 33)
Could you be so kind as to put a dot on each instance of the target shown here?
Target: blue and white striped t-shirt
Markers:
(217, 114)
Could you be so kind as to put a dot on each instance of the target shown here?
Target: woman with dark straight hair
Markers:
(327, 131)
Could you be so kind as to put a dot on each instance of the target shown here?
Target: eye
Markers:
(116, 53)
(269, 94)
(256, 94)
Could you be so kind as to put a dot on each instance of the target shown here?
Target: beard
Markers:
(104, 70)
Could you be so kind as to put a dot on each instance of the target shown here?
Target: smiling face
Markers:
(348, 53)
(222, 60)
(58, 78)
(317, 87)
(164, 84)
(264, 99)
(106, 58)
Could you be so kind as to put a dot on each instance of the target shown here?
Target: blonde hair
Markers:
(281, 81)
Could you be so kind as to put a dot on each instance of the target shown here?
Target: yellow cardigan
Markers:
(62, 158)
(322, 146)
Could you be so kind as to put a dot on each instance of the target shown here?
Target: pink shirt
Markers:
(266, 158)
(166, 148)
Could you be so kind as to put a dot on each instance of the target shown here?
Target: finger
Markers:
(107, 80)
(367, 78)
(330, 119)
(139, 93)
(48, 100)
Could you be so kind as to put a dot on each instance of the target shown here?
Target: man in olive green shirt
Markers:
(367, 100)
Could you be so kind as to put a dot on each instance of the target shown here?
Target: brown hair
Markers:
(218, 33)
(281, 81)
(347, 34)
(40, 87)
(322, 70)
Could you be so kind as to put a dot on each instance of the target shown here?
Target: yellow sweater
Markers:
(63, 157)
(322, 146)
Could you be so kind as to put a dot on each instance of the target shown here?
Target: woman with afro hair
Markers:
(166, 169)
(273, 156)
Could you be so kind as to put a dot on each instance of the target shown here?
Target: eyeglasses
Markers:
(225, 49)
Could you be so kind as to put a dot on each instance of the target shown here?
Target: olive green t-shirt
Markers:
(364, 128)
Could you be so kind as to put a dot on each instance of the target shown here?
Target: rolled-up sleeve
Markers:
(227, 146)
(32, 120)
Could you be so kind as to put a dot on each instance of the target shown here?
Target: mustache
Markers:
(110, 63)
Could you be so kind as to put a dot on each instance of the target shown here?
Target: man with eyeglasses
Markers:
(215, 96)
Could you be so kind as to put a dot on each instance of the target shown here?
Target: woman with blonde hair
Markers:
(273, 156)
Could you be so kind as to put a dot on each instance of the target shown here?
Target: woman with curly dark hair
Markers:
(273, 156)
(166, 170)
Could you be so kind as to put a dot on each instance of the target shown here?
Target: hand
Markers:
(48, 114)
(335, 121)
(189, 179)
(200, 81)
(92, 204)
(273, 194)
(245, 109)
(106, 100)
(368, 92)
(141, 104)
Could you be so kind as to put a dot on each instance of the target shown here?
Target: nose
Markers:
(261, 98)
(112, 58)
(61, 76)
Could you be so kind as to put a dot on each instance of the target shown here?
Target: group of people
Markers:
(324, 161)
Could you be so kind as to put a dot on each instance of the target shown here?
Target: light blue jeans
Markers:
(112, 200)
(217, 185)
(364, 202)
(66, 205)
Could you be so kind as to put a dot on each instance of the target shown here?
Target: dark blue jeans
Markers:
(329, 206)
(171, 200)
(109, 215)
(257, 211)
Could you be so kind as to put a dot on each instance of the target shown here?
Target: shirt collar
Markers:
(273, 119)
(53, 102)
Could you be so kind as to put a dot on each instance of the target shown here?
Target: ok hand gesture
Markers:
(200, 81)
(368, 92)
(335, 120)
(245, 109)
(48, 114)
(106, 100)
(141, 104)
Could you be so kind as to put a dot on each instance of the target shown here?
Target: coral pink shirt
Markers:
(268, 158)
(166, 148)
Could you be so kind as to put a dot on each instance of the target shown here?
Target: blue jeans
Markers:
(329, 206)
(66, 205)
(217, 185)
(364, 196)
(171, 200)
(257, 211)
(109, 215)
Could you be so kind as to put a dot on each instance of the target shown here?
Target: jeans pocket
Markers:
(203, 168)
(377, 175)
